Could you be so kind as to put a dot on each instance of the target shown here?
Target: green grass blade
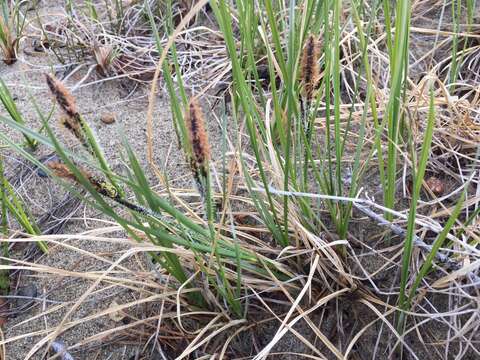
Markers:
(418, 176)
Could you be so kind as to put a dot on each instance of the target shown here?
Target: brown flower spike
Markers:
(72, 119)
(309, 67)
(198, 138)
(63, 97)
(102, 187)
(73, 126)
(61, 170)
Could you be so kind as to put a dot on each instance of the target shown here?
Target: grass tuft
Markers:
(12, 23)
(344, 195)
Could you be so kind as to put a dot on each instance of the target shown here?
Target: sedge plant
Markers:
(150, 217)
(302, 50)
(419, 168)
(12, 23)
(303, 139)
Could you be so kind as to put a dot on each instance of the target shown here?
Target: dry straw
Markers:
(310, 68)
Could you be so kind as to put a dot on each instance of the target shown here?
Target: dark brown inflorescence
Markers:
(72, 120)
(309, 67)
(198, 138)
(63, 97)
(101, 186)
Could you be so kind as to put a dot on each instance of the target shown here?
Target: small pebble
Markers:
(108, 118)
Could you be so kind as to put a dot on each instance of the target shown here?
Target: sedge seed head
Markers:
(72, 119)
(73, 126)
(197, 135)
(101, 186)
(64, 98)
(309, 67)
(61, 170)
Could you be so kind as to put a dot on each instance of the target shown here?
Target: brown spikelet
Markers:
(309, 67)
(63, 97)
(72, 120)
(198, 137)
(74, 127)
(62, 171)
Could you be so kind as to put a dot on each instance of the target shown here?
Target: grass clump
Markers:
(12, 23)
(9, 105)
(157, 220)
(328, 144)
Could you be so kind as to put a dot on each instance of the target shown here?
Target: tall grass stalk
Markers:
(454, 64)
(398, 74)
(9, 105)
(418, 178)
(457, 54)
(342, 229)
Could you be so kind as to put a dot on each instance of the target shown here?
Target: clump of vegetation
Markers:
(9, 105)
(335, 175)
(13, 209)
(12, 23)
(215, 253)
